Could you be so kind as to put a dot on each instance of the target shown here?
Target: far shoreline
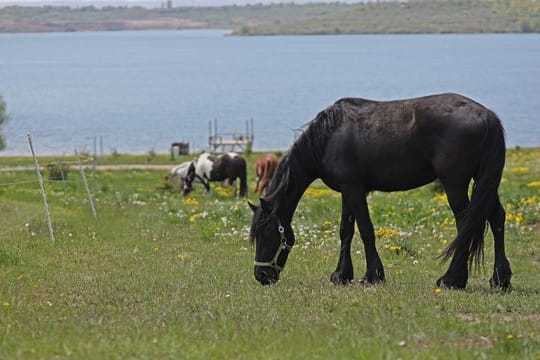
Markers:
(388, 17)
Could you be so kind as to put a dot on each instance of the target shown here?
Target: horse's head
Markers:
(273, 242)
(187, 181)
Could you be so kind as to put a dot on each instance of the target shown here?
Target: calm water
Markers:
(144, 90)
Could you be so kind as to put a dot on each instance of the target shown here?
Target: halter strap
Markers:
(284, 246)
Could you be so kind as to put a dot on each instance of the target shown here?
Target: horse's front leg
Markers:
(257, 185)
(206, 184)
(344, 271)
(355, 199)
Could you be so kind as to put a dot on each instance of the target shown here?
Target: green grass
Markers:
(159, 277)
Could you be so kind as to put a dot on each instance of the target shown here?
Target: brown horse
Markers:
(265, 166)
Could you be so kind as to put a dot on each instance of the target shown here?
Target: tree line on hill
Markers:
(414, 16)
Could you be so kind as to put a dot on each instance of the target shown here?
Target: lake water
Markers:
(143, 90)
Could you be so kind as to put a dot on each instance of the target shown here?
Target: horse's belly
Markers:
(401, 182)
(380, 175)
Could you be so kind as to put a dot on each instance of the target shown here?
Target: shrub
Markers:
(58, 171)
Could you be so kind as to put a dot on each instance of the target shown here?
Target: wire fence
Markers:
(58, 166)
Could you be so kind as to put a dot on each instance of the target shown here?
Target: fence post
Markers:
(43, 194)
(86, 186)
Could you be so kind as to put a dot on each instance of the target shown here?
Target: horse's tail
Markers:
(243, 178)
(470, 237)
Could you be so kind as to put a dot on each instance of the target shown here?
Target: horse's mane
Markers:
(305, 155)
(303, 158)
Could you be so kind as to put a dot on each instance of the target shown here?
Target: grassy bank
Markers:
(415, 16)
(159, 276)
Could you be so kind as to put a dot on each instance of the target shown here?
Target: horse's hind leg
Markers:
(355, 199)
(344, 270)
(501, 272)
(457, 274)
(257, 186)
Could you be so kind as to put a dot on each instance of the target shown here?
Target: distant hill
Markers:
(415, 16)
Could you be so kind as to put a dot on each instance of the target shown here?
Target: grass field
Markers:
(159, 276)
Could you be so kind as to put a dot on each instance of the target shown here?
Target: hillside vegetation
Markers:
(417, 16)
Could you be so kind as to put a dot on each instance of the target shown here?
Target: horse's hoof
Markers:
(374, 277)
(448, 282)
(498, 284)
(339, 279)
(367, 282)
(502, 275)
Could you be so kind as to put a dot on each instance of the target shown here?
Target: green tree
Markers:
(3, 119)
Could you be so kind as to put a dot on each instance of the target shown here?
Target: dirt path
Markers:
(98, 167)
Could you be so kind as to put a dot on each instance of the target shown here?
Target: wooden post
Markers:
(86, 186)
(101, 161)
(43, 194)
(61, 167)
(94, 164)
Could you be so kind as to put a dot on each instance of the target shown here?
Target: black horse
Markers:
(356, 146)
(224, 167)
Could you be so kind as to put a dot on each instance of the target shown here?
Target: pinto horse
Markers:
(224, 167)
(265, 166)
(356, 146)
(178, 173)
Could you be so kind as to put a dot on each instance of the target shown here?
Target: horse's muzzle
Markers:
(266, 275)
(186, 190)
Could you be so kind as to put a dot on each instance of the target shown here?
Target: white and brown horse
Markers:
(223, 167)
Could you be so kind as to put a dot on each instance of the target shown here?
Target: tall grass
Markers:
(159, 276)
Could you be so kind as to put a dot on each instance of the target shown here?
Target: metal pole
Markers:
(101, 149)
(251, 131)
(43, 194)
(94, 163)
(86, 186)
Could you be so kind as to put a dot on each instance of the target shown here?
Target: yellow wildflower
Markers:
(509, 337)
(191, 201)
(224, 191)
(515, 218)
(534, 184)
(314, 192)
(437, 290)
(197, 216)
(520, 170)
(386, 232)
(530, 201)
(441, 198)
(393, 248)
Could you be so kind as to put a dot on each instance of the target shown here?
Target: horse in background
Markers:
(224, 167)
(178, 173)
(265, 167)
(356, 146)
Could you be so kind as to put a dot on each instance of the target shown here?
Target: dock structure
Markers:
(223, 142)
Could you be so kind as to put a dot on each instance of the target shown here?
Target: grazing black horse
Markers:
(356, 146)
(223, 167)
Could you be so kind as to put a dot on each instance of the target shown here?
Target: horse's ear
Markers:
(253, 207)
(265, 205)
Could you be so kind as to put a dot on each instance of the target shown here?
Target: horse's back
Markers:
(402, 144)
